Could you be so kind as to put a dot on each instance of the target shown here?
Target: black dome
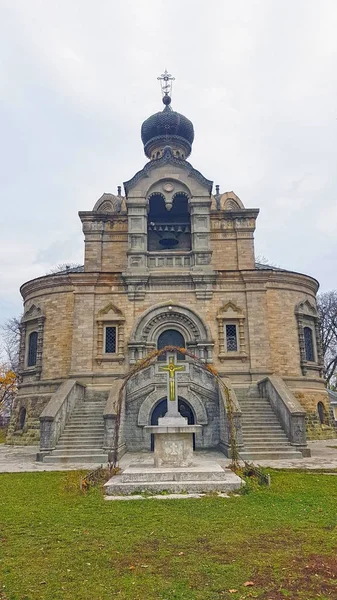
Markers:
(165, 126)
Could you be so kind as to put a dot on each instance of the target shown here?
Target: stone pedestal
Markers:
(173, 442)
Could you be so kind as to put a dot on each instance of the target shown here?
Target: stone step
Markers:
(256, 456)
(263, 446)
(141, 475)
(263, 417)
(79, 442)
(88, 413)
(265, 431)
(96, 443)
(82, 451)
(263, 421)
(98, 458)
(265, 438)
(82, 434)
(116, 487)
(253, 402)
(96, 421)
(84, 429)
(248, 410)
(262, 428)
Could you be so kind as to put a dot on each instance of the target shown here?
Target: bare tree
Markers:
(11, 344)
(66, 267)
(327, 309)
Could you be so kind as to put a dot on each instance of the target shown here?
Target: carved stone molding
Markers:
(170, 316)
(32, 320)
(110, 315)
(307, 316)
(230, 312)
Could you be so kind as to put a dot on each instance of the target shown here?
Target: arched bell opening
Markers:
(160, 410)
(169, 223)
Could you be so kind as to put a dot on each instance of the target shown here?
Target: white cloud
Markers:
(258, 80)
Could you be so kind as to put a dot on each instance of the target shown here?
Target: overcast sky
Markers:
(258, 78)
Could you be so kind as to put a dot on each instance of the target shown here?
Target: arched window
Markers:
(321, 412)
(308, 344)
(32, 349)
(171, 337)
(22, 417)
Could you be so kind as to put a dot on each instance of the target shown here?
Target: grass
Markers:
(3, 433)
(60, 544)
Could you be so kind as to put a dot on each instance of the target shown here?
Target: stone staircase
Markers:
(263, 435)
(82, 437)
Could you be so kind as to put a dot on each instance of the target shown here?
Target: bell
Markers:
(168, 240)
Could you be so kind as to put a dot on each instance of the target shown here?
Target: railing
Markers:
(166, 259)
(289, 411)
(55, 415)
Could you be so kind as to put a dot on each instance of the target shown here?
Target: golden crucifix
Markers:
(171, 369)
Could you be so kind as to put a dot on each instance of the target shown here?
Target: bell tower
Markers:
(168, 205)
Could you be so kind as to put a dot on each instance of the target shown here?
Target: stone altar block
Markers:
(173, 442)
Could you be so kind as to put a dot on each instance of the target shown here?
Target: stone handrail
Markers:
(109, 416)
(225, 429)
(289, 411)
(55, 415)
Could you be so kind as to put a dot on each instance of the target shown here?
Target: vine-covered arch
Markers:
(149, 360)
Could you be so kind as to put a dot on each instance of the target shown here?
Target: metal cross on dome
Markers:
(166, 83)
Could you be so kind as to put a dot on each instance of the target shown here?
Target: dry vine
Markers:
(151, 359)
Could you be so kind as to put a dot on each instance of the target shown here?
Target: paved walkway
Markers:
(15, 459)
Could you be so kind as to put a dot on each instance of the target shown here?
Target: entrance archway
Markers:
(161, 409)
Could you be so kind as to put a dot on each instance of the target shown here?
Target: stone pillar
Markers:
(200, 232)
(137, 234)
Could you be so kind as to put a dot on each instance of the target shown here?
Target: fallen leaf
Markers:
(248, 583)
(132, 567)
(233, 591)
(180, 553)
(144, 566)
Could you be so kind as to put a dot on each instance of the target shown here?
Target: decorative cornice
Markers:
(167, 158)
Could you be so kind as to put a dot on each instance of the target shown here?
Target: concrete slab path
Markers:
(16, 459)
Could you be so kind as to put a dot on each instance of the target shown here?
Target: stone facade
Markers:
(204, 291)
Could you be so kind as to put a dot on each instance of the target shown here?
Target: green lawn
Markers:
(3, 433)
(57, 543)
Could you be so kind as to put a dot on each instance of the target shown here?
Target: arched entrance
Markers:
(161, 409)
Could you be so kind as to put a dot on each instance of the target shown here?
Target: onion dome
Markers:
(167, 128)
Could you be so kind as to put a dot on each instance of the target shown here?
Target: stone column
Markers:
(137, 234)
(200, 232)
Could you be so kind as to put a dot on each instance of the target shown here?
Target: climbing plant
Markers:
(151, 359)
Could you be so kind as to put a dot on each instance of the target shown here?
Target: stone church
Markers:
(170, 262)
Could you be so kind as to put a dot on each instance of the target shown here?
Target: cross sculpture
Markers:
(172, 396)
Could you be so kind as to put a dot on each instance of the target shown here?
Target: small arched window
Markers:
(321, 412)
(308, 344)
(22, 417)
(171, 337)
(32, 349)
